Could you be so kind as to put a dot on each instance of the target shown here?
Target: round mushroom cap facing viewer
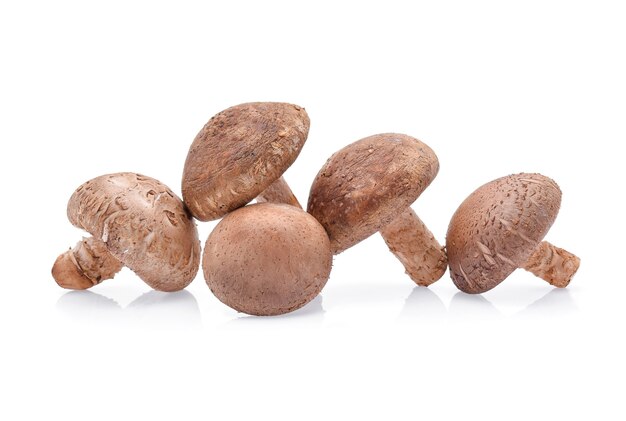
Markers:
(500, 227)
(267, 259)
(368, 186)
(136, 221)
(239, 154)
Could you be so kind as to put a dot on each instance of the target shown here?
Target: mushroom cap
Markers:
(367, 184)
(267, 259)
(239, 153)
(496, 229)
(143, 224)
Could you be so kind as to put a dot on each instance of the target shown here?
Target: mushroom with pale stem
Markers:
(368, 186)
(135, 221)
(500, 227)
(242, 153)
(267, 259)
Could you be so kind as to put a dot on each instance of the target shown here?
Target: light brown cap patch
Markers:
(267, 259)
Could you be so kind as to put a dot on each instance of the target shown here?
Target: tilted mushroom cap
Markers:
(239, 153)
(497, 228)
(267, 259)
(143, 224)
(367, 184)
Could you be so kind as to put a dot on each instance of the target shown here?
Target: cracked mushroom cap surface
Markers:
(496, 229)
(143, 224)
(267, 259)
(367, 184)
(239, 153)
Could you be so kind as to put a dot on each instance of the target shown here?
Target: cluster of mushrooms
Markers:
(272, 257)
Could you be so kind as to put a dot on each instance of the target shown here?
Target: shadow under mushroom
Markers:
(422, 304)
(155, 309)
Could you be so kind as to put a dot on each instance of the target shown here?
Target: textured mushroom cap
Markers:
(497, 227)
(239, 153)
(143, 224)
(267, 259)
(367, 184)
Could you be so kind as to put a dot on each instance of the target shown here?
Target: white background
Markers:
(493, 87)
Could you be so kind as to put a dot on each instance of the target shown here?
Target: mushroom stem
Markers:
(415, 246)
(279, 192)
(552, 264)
(86, 265)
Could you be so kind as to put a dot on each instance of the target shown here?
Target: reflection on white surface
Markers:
(87, 306)
(154, 308)
(557, 302)
(425, 304)
(311, 312)
(86, 301)
(174, 309)
(422, 303)
(180, 309)
(465, 306)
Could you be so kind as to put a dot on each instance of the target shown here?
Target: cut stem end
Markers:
(86, 265)
(553, 264)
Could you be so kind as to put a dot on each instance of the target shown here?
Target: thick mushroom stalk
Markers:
(279, 192)
(86, 265)
(368, 186)
(552, 264)
(416, 247)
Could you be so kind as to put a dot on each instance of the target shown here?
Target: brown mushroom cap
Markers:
(239, 153)
(497, 227)
(143, 224)
(367, 184)
(267, 259)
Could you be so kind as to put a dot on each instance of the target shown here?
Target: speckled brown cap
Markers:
(267, 259)
(497, 228)
(239, 153)
(369, 183)
(137, 221)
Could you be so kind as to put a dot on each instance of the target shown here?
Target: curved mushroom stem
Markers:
(415, 246)
(86, 265)
(279, 192)
(552, 264)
